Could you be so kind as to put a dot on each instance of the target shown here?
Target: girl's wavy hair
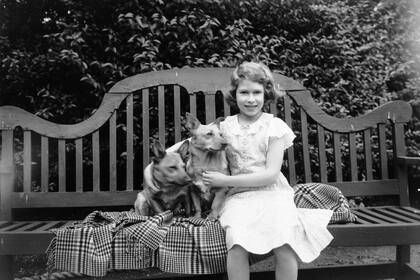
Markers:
(256, 72)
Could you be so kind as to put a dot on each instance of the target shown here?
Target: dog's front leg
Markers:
(141, 205)
(156, 207)
(187, 204)
(219, 198)
(197, 204)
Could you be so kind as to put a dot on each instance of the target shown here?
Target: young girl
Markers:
(259, 214)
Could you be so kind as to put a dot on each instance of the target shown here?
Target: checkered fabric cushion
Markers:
(84, 248)
(317, 195)
(103, 241)
(127, 253)
(193, 246)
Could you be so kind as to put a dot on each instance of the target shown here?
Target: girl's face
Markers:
(250, 98)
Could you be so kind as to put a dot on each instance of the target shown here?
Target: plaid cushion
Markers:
(193, 246)
(317, 195)
(84, 250)
(127, 253)
(102, 241)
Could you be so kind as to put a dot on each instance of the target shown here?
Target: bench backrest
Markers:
(100, 161)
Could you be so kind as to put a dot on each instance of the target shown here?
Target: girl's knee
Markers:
(285, 254)
(238, 251)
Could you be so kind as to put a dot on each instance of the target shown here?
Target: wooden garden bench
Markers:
(98, 163)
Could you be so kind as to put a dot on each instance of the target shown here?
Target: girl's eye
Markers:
(209, 133)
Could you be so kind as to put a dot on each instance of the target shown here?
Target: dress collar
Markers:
(237, 129)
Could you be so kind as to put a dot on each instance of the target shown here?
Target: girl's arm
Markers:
(267, 177)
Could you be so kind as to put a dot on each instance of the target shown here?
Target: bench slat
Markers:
(23, 226)
(126, 198)
(61, 165)
(13, 226)
(321, 154)
(226, 108)
(337, 157)
(96, 176)
(161, 115)
(177, 113)
(273, 108)
(367, 217)
(30, 225)
(145, 126)
(405, 213)
(79, 164)
(396, 214)
(400, 171)
(290, 151)
(130, 142)
(374, 212)
(3, 224)
(305, 146)
(113, 152)
(48, 226)
(27, 160)
(368, 154)
(210, 107)
(382, 151)
(44, 163)
(353, 156)
(361, 220)
(193, 105)
(381, 234)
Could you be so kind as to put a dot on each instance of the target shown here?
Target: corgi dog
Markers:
(205, 151)
(171, 185)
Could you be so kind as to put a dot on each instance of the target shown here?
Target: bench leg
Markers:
(6, 267)
(409, 272)
(403, 258)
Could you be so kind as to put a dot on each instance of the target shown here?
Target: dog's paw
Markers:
(212, 216)
(197, 215)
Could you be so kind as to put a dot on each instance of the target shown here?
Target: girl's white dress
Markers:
(264, 218)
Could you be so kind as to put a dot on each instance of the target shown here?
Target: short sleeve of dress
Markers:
(278, 129)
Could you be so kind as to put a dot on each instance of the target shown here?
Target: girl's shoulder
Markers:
(228, 125)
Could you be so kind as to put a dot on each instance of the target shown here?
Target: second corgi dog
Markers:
(206, 152)
(171, 186)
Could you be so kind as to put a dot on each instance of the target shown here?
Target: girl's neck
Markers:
(244, 119)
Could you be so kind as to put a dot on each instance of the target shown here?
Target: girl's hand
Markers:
(214, 179)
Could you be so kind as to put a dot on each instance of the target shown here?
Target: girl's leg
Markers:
(237, 263)
(286, 263)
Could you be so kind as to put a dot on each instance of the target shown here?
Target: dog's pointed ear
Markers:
(192, 122)
(184, 151)
(158, 152)
(218, 121)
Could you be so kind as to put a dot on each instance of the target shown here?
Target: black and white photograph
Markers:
(210, 139)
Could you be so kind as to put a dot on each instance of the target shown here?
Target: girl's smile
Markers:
(250, 99)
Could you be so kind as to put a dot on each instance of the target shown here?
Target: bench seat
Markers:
(376, 226)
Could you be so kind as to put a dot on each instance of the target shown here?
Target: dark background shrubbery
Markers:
(58, 58)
